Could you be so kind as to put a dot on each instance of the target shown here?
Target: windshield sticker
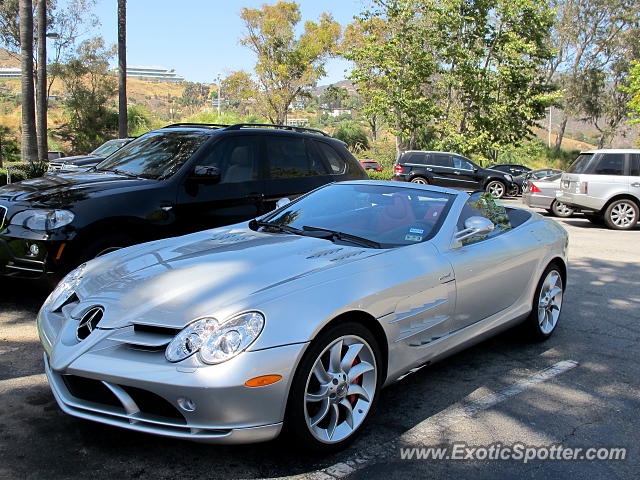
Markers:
(413, 238)
(419, 231)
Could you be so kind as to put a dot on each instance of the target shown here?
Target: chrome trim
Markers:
(3, 216)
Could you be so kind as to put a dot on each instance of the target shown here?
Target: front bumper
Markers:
(16, 259)
(116, 384)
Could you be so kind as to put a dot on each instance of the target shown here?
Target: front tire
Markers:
(561, 210)
(621, 215)
(547, 305)
(334, 388)
(496, 188)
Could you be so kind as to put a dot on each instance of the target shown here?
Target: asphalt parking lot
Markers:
(485, 395)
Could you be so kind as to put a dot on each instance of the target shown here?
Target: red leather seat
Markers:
(396, 214)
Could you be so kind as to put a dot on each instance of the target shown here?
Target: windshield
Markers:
(156, 154)
(390, 216)
(109, 147)
(580, 164)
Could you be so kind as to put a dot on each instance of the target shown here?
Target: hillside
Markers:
(8, 60)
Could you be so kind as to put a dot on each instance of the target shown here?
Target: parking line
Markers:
(435, 424)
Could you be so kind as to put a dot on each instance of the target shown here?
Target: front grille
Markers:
(3, 216)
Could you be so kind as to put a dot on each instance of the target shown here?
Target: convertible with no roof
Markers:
(294, 321)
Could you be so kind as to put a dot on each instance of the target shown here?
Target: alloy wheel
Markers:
(550, 302)
(419, 181)
(623, 215)
(340, 389)
(562, 210)
(496, 189)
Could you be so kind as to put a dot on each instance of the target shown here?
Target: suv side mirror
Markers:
(205, 175)
(474, 226)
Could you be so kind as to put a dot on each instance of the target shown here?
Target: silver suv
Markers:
(605, 185)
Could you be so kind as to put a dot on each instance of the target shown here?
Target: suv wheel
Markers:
(420, 180)
(561, 210)
(621, 214)
(496, 188)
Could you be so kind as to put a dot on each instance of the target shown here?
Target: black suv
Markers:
(178, 179)
(450, 170)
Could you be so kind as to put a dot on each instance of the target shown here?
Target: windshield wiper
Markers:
(277, 226)
(347, 237)
(121, 172)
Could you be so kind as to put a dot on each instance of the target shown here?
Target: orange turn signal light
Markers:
(263, 380)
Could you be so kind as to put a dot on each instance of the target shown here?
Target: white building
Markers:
(10, 73)
(159, 74)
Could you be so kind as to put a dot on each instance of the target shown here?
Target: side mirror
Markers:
(282, 202)
(205, 175)
(474, 226)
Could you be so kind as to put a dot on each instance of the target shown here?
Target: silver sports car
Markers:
(294, 321)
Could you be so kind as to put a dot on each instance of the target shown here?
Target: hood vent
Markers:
(230, 237)
(347, 255)
(324, 253)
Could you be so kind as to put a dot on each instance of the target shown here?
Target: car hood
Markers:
(174, 281)
(63, 189)
(80, 159)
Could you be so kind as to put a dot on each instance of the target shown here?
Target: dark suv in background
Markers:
(450, 170)
(175, 180)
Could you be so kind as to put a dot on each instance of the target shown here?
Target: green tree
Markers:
(194, 95)
(287, 64)
(633, 89)
(9, 148)
(353, 135)
(90, 92)
(586, 37)
(238, 89)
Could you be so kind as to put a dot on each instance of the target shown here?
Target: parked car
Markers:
(512, 168)
(54, 155)
(90, 160)
(605, 185)
(450, 170)
(200, 337)
(541, 173)
(370, 165)
(171, 181)
(542, 194)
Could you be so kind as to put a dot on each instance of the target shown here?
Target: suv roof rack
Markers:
(238, 126)
(196, 124)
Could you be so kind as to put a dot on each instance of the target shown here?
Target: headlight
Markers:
(508, 177)
(43, 220)
(217, 342)
(65, 288)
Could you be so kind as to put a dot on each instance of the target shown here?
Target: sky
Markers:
(200, 38)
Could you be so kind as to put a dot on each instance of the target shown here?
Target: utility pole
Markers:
(219, 99)
(123, 130)
(550, 109)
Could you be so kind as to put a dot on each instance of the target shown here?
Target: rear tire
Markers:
(331, 397)
(621, 214)
(420, 180)
(547, 305)
(561, 210)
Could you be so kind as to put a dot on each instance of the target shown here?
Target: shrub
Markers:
(384, 175)
(353, 135)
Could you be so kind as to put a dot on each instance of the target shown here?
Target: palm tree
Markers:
(41, 83)
(29, 145)
(122, 69)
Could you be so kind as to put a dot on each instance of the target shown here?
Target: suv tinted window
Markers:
(440, 160)
(581, 163)
(236, 158)
(336, 164)
(289, 157)
(415, 157)
(635, 165)
(610, 164)
(462, 164)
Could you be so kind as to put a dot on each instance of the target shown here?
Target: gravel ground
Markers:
(594, 404)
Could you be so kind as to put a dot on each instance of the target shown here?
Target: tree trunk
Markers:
(373, 124)
(1, 152)
(29, 146)
(41, 83)
(123, 130)
(398, 145)
(563, 126)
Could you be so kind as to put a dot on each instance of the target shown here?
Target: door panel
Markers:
(464, 173)
(238, 196)
(441, 168)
